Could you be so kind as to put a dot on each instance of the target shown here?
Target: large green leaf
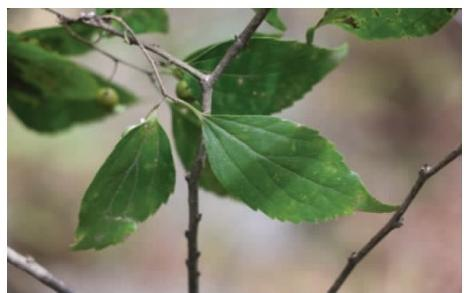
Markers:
(59, 40)
(285, 170)
(49, 93)
(141, 20)
(388, 22)
(134, 181)
(266, 77)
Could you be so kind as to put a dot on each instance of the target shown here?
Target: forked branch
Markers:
(395, 221)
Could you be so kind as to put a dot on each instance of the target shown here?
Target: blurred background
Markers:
(390, 107)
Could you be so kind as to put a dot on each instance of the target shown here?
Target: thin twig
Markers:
(30, 266)
(97, 22)
(193, 178)
(150, 60)
(115, 59)
(395, 221)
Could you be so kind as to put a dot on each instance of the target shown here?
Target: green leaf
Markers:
(266, 77)
(134, 181)
(141, 20)
(59, 40)
(385, 23)
(285, 170)
(49, 93)
(273, 19)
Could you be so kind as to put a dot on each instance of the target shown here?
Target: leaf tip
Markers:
(372, 205)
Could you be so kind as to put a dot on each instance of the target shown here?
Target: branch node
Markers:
(424, 170)
(352, 256)
(29, 259)
(399, 223)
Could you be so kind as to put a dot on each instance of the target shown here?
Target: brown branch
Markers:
(30, 266)
(395, 221)
(97, 22)
(193, 178)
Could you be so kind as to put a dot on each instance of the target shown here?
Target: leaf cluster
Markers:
(288, 171)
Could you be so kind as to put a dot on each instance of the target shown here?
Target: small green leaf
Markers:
(59, 40)
(134, 181)
(266, 77)
(371, 24)
(273, 19)
(141, 20)
(49, 93)
(187, 131)
(285, 170)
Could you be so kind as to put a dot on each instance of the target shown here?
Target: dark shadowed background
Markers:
(390, 107)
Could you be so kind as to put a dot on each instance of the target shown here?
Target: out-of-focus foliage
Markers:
(59, 40)
(50, 93)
